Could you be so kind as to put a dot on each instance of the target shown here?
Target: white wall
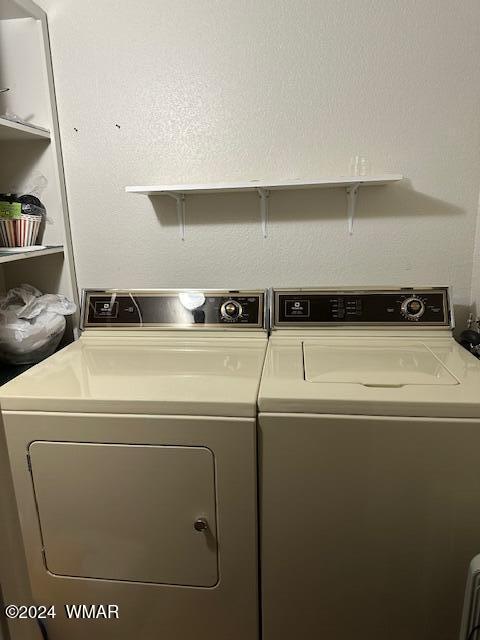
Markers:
(218, 90)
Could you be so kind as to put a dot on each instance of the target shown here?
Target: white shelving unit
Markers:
(33, 151)
(351, 184)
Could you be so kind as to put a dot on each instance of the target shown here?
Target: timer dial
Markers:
(231, 310)
(413, 308)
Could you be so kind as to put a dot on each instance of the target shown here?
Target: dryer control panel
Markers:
(362, 307)
(173, 309)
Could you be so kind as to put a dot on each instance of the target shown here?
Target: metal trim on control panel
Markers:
(277, 324)
(262, 310)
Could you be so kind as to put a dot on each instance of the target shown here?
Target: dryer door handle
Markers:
(200, 524)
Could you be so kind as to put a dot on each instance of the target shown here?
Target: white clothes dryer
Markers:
(133, 459)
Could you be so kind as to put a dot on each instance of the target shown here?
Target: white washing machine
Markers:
(369, 466)
(133, 457)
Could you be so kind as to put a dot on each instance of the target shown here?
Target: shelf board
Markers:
(254, 185)
(351, 184)
(15, 131)
(11, 257)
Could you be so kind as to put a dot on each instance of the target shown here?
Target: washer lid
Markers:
(370, 373)
(374, 365)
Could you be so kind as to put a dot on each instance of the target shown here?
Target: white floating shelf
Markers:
(6, 256)
(350, 183)
(10, 130)
(253, 185)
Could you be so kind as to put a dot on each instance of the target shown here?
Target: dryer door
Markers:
(140, 513)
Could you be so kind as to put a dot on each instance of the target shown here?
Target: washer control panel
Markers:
(397, 307)
(173, 309)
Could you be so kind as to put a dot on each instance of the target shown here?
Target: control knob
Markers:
(412, 308)
(231, 310)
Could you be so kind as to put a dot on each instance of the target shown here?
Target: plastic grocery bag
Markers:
(31, 324)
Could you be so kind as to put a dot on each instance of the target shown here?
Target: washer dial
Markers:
(231, 310)
(413, 308)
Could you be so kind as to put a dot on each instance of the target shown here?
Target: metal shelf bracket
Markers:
(180, 200)
(264, 194)
(352, 193)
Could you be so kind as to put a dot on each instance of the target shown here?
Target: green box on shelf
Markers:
(10, 210)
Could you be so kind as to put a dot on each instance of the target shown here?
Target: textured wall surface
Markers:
(220, 90)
